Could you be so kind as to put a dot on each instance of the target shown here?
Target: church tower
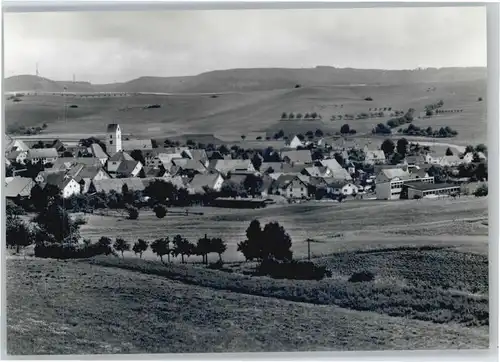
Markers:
(113, 139)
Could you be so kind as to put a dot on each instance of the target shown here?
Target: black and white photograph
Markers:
(246, 180)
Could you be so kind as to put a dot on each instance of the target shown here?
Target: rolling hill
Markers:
(235, 80)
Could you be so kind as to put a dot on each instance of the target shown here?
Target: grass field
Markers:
(363, 224)
(74, 307)
(241, 112)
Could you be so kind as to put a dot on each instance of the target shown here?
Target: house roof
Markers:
(450, 159)
(196, 154)
(55, 178)
(284, 180)
(293, 139)
(189, 164)
(392, 173)
(116, 184)
(297, 156)
(375, 155)
(153, 172)
(166, 158)
(112, 127)
(42, 153)
(18, 186)
(67, 162)
(126, 167)
(337, 170)
(120, 156)
(201, 180)
(136, 144)
(316, 171)
(425, 186)
(80, 172)
(97, 151)
(276, 166)
(225, 166)
(12, 155)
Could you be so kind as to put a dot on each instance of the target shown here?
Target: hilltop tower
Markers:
(113, 139)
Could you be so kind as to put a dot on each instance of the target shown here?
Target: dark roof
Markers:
(424, 186)
(121, 156)
(126, 167)
(112, 127)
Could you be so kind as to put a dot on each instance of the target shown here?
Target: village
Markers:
(303, 169)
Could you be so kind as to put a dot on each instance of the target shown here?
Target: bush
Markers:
(292, 270)
(133, 213)
(368, 99)
(481, 191)
(364, 276)
(160, 211)
(71, 251)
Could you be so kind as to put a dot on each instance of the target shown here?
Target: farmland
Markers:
(237, 113)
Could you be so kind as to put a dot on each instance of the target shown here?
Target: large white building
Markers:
(113, 139)
(389, 182)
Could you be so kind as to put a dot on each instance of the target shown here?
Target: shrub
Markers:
(292, 270)
(364, 276)
(481, 191)
(368, 99)
(71, 251)
(160, 211)
(133, 213)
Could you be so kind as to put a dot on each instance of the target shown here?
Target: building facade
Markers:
(113, 138)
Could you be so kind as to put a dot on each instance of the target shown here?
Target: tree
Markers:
(203, 248)
(344, 129)
(257, 161)
(56, 225)
(121, 245)
(482, 148)
(299, 116)
(140, 246)
(253, 184)
(469, 149)
(182, 247)
(291, 116)
(161, 247)
(388, 147)
(481, 191)
(449, 152)
(104, 243)
(402, 146)
(217, 245)
(251, 248)
(284, 115)
(17, 233)
(276, 242)
(318, 133)
(138, 156)
(314, 115)
(160, 211)
(133, 212)
(243, 137)
(317, 154)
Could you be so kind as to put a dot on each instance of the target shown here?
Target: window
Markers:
(110, 136)
(110, 142)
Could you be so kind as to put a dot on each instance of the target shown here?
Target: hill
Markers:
(237, 113)
(235, 80)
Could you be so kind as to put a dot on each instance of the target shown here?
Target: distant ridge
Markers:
(256, 79)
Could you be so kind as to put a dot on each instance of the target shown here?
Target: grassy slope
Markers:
(364, 224)
(74, 307)
(238, 113)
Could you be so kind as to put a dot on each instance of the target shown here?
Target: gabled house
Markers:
(230, 166)
(116, 159)
(297, 157)
(196, 155)
(191, 166)
(337, 171)
(97, 151)
(291, 186)
(43, 155)
(128, 168)
(294, 143)
(389, 181)
(153, 172)
(18, 186)
(14, 145)
(374, 156)
(17, 156)
(212, 181)
(469, 157)
(316, 171)
(341, 187)
(66, 184)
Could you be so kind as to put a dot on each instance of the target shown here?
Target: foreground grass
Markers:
(425, 299)
(56, 307)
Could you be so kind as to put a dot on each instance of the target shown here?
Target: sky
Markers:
(104, 47)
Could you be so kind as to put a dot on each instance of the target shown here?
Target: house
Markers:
(337, 171)
(373, 156)
(226, 166)
(153, 172)
(17, 156)
(128, 168)
(41, 178)
(389, 182)
(415, 160)
(116, 159)
(197, 155)
(213, 181)
(265, 187)
(418, 190)
(317, 171)
(322, 143)
(68, 162)
(14, 145)
(341, 187)
(137, 144)
(452, 160)
(270, 167)
(66, 184)
(190, 165)
(469, 157)
(116, 185)
(295, 157)
(43, 155)
(97, 151)
(167, 158)
(113, 138)
(291, 186)
(294, 143)
(215, 155)
(18, 186)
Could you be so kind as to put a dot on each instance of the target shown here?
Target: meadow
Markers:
(237, 113)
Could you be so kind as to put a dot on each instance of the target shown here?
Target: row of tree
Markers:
(313, 115)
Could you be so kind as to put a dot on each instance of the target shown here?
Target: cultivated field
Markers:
(240, 112)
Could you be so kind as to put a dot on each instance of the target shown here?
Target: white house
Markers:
(340, 187)
(213, 181)
(373, 156)
(469, 157)
(97, 151)
(113, 138)
(294, 143)
(291, 186)
(43, 155)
